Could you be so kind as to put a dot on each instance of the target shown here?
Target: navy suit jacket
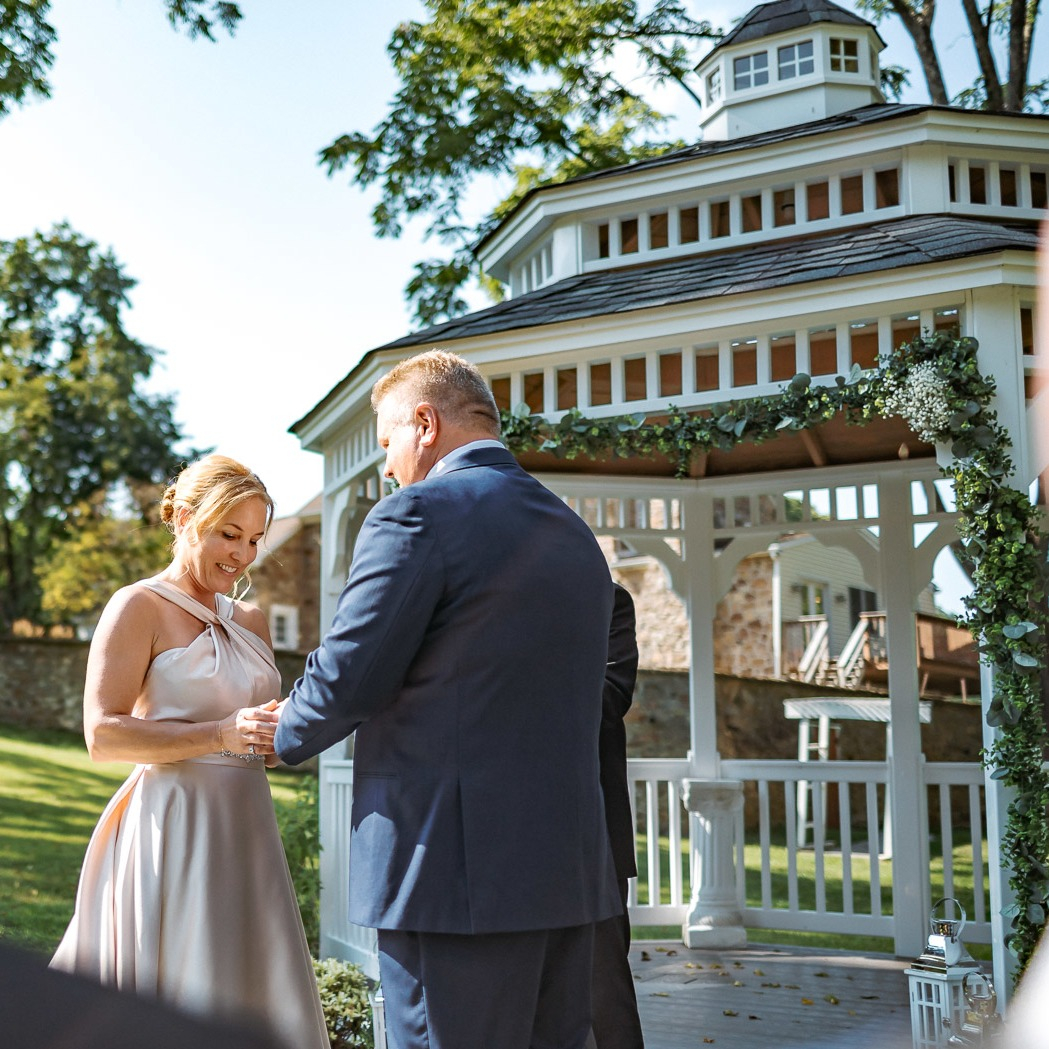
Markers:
(468, 652)
(620, 679)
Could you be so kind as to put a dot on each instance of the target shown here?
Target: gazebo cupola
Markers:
(787, 63)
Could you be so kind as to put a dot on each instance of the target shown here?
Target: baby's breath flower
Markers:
(920, 397)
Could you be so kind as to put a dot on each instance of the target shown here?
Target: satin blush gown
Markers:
(184, 893)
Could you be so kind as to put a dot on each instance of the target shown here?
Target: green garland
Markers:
(934, 383)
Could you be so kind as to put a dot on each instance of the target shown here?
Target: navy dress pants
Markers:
(514, 990)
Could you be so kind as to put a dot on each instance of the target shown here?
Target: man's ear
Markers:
(427, 424)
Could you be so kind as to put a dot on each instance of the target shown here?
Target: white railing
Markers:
(339, 937)
(816, 654)
(850, 662)
(841, 884)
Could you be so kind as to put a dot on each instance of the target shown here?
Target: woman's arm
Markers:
(121, 651)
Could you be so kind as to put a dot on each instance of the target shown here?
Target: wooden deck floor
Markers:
(760, 997)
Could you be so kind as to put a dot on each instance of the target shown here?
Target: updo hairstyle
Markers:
(210, 489)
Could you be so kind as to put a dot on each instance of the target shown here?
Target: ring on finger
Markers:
(251, 748)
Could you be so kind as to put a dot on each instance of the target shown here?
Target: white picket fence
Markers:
(841, 883)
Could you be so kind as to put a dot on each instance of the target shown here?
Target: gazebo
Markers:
(712, 276)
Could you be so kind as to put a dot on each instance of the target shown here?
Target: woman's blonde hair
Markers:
(209, 490)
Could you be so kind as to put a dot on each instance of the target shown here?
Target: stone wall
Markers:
(42, 681)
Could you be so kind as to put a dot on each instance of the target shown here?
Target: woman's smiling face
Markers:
(216, 560)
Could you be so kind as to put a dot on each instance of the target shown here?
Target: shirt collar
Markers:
(455, 454)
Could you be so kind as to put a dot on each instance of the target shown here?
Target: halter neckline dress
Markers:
(185, 893)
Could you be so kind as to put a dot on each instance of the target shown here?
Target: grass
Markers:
(51, 795)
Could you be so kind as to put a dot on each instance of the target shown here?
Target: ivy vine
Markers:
(935, 385)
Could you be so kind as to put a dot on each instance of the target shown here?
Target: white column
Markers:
(713, 918)
(910, 869)
(701, 603)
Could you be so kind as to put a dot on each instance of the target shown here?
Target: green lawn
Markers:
(51, 795)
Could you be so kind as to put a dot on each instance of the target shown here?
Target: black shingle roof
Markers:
(797, 260)
(769, 19)
(915, 241)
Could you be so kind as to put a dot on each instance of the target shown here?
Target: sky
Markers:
(260, 278)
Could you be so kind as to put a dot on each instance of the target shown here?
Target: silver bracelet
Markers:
(243, 757)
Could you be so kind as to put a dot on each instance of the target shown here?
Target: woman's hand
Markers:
(250, 730)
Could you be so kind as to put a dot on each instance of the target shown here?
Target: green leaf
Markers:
(1023, 659)
(1018, 630)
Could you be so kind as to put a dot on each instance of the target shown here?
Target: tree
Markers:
(105, 549)
(26, 37)
(505, 88)
(527, 92)
(1011, 21)
(74, 419)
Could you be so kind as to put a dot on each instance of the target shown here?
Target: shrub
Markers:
(347, 1009)
(300, 831)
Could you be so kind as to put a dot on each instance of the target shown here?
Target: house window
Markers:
(719, 219)
(852, 194)
(689, 222)
(602, 241)
(533, 392)
(750, 71)
(713, 86)
(844, 56)
(1007, 184)
(601, 383)
(634, 379)
(501, 392)
(628, 236)
(567, 389)
(783, 357)
(817, 196)
(670, 374)
(707, 369)
(795, 60)
(783, 211)
(860, 601)
(952, 184)
(886, 188)
(284, 627)
(813, 598)
(658, 231)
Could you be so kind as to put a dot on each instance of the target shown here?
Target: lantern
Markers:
(936, 979)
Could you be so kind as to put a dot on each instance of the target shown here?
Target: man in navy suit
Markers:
(468, 653)
(616, 1023)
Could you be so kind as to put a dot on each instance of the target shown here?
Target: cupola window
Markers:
(795, 60)
(750, 70)
(844, 55)
(714, 86)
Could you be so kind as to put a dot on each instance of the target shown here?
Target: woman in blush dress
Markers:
(184, 893)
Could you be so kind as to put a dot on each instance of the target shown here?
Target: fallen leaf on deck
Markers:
(806, 1001)
(830, 998)
(758, 972)
(729, 1012)
(645, 956)
(660, 994)
(737, 983)
(825, 975)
